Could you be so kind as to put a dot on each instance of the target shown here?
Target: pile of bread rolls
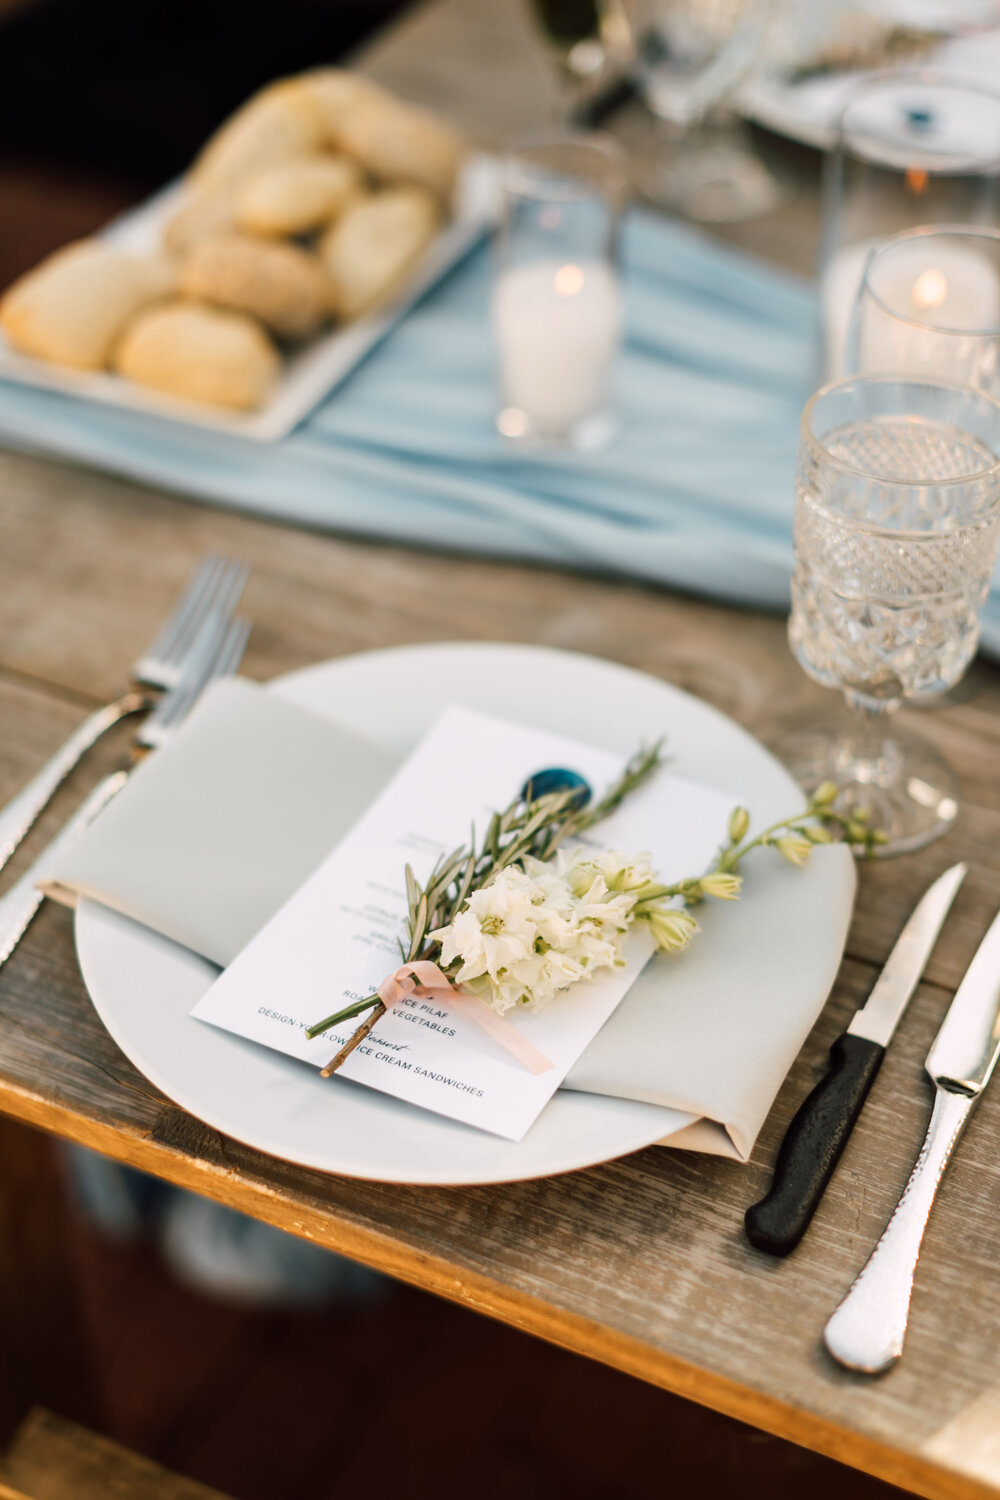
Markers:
(312, 204)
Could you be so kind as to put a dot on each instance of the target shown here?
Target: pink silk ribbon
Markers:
(423, 980)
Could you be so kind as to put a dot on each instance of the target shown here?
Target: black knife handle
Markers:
(812, 1146)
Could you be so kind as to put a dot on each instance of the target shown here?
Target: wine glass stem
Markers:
(869, 740)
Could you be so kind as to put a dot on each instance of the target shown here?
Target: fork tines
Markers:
(217, 652)
(215, 588)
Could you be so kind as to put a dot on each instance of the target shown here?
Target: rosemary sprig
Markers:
(535, 828)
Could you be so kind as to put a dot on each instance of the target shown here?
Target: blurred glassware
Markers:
(690, 55)
(585, 39)
(557, 304)
(929, 305)
(913, 148)
(897, 523)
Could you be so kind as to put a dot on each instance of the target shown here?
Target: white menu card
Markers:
(337, 938)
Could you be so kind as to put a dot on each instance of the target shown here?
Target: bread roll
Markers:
(375, 244)
(201, 216)
(201, 354)
(71, 308)
(336, 94)
(297, 196)
(282, 285)
(398, 142)
(283, 120)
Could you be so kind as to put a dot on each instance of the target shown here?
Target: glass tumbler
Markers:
(557, 302)
(913, 148)
(929, 305)
(897, 521)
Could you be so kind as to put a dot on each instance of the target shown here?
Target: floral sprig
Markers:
(517, 918)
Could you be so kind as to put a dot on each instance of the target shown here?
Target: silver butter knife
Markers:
(867, 1331)
(19, 904)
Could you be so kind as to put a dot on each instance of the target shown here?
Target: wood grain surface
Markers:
(640, 1263)
(52, 1459)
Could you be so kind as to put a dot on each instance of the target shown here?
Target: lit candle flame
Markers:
(916, 179)
(569, 280)
(930, 289)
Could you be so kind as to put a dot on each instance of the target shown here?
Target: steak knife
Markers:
(866, 1332)
(819, 1131)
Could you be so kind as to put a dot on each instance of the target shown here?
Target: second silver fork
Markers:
(216, 651)
(212, 595)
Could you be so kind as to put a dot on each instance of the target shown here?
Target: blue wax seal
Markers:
(920, 116)
(557, 779)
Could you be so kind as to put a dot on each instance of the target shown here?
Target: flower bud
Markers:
(824, 794)
(856, 832)
(672, 929)
(794, 848)
(721, 885)
(818, 835)
(739, 824)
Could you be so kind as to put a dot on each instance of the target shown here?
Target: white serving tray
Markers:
(309, 374)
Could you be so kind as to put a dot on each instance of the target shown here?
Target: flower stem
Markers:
(347, 1014)
(353, 1041)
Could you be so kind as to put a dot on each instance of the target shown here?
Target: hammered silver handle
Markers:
(19, 815)
(866, 1332)
(19, 904)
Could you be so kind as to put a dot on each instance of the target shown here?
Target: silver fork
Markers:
(216, 652)
(212, 594)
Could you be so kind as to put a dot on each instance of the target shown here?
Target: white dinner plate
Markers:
(809, 110)
(312, 371)
(145, 986)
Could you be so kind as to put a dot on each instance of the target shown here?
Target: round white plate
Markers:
(809, 110)
(144, 986)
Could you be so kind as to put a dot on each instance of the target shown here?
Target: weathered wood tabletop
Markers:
(640, 1263)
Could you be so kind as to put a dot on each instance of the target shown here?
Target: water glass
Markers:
(929, 305)
(557, 303)
(690, 56)
(897, 522)
(913, 149)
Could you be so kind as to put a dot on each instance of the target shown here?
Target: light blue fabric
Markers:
(696, 492)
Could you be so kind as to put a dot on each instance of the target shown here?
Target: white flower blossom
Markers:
(533, 932)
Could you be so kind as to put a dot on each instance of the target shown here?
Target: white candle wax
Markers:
(927, 281)
(557, 325)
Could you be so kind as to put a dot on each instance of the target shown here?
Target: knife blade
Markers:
(867, 1331)
(816, 1137)
(19, 904)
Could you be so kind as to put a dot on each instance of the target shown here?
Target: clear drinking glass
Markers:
(689, 56)
(583, 38)
(913, 148)
(897, 522)
(929, 305)
(557, 302)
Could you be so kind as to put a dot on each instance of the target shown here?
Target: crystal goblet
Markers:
(897, 523)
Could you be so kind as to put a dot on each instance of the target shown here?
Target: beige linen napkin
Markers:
(213, 833)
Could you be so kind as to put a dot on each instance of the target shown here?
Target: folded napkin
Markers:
(214, 832)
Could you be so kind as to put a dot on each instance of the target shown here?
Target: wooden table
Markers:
(640, 1263)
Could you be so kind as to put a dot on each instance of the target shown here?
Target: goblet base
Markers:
(895, 780)
(710, 175)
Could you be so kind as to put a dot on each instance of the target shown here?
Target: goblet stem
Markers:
(889, 779)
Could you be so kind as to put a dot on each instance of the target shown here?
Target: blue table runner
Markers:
(696, 491)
